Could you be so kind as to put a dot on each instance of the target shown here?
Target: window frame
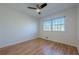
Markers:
(51, 19)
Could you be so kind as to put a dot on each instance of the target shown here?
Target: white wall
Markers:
(78, 29)
(16, 27)
(70, 34)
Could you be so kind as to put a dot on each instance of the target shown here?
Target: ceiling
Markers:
(48, 10)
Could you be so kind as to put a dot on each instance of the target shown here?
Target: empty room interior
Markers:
(39, 29)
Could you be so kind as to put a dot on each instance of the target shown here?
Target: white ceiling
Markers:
(48, 10)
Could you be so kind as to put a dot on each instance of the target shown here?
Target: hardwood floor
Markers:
(39, 47)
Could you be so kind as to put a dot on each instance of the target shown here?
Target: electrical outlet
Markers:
(46, 37)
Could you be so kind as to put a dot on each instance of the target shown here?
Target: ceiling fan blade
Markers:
(43, 5)
(32, 8)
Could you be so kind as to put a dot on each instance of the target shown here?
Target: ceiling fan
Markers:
(38, 7)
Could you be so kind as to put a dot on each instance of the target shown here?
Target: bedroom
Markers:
(53, 31)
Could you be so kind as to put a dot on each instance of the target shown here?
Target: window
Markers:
(56, 24)
(47, 25)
